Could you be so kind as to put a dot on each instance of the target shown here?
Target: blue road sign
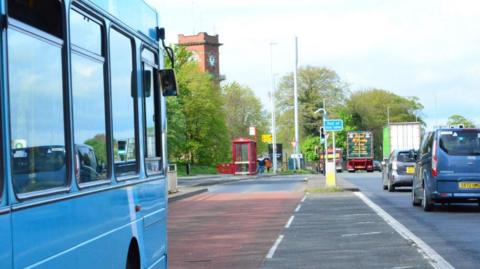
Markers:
(333, 125)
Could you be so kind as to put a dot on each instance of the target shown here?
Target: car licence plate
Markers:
(410, 170)
(469, 185)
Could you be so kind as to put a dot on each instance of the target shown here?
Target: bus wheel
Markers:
(133, 259)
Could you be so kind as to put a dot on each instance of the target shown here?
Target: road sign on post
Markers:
(335, 125)
(266, 138)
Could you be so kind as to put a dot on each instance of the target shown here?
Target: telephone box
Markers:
(244, 156)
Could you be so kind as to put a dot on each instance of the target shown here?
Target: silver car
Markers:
(398, 170)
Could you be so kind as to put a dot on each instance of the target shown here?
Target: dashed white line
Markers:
(429, 253)
(360, 234)
(289, 222)
(365, 222)
(298, 207)
(304, 197)
(272, 250)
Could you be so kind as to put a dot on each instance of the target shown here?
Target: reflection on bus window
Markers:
(123, 112)
(88, 100)
(36, 113)
(85, 32)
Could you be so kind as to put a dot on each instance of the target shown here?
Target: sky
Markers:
(424, 48)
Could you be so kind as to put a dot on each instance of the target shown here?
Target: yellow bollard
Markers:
(330, 175)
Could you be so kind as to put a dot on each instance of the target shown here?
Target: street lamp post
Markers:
(272, 98)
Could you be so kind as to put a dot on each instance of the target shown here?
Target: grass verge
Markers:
(325, 190)
(196, 170)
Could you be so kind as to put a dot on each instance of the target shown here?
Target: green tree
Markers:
(459, 119)
(310, 147)
(243, 109)
(368, 111)
(197, 129)
(314, 85)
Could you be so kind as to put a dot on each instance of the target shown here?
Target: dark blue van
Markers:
(447, 168)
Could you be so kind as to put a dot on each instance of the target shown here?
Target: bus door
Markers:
(6, 233)
(155, 237)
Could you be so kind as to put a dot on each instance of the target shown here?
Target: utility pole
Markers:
(295, 97)
(326, 136)
(274, 135)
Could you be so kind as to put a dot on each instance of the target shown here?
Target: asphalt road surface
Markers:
(452, 231)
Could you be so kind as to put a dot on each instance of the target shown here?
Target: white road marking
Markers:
(402, 267)
(272, 250)
(429, 253)
(360, 234)
(298, 207)
(304, 197)
(365, 222)
(289, 222)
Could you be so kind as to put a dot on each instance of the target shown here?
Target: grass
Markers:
(295, 172)
(325, 190)
(196, 170)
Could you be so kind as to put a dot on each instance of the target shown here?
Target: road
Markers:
(271, 223)
(452, 231)
(233, 225)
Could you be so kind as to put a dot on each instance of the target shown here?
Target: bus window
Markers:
(123, 109)
(36, 112)
(88, 99)
(151, 100)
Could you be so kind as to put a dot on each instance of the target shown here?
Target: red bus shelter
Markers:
(244, 156)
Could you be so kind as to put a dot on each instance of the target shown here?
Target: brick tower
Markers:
(205, 49)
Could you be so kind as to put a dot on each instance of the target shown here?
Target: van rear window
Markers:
(463, 143)
(404, 156)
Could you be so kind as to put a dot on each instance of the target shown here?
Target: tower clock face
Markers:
(212, 60)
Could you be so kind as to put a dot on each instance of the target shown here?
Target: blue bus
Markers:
(82, 121)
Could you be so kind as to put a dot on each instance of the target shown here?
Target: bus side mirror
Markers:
(168, 82)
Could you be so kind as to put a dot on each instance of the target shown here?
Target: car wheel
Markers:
(391, 187)
(384, 187)
(415, 200)
(426, 202)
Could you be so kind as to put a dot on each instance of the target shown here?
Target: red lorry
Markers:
(338, 159)
(360, 151)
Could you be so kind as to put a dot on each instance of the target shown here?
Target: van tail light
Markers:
(434, 160)
(394, 165)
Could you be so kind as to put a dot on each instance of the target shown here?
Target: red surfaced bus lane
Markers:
(227, 230)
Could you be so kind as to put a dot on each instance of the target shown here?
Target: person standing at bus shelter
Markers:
(268, 164)
(261, 165)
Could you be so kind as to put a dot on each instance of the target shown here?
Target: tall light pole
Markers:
(324, 111)
(272, 98)
(295, 99)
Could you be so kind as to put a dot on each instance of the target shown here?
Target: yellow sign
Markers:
(266, 138)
